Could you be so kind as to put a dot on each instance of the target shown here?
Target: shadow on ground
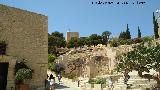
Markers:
(60, 86)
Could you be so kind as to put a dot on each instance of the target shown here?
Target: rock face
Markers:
(91, 61)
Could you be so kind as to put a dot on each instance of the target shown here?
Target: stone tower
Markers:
(72, 34)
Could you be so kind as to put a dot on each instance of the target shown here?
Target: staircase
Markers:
(135, 83)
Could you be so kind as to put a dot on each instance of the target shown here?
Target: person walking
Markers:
(52, 84)
(51, 77)
(110, 84)
(126, 78)
(59, 78)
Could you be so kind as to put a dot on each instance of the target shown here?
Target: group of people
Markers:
(50, 81)
(110, 81)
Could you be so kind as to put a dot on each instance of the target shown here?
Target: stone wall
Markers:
(10, 78)
(26, 35)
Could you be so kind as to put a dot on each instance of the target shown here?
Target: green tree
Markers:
(139, 32)
(122, 35)
(105, 36)
(128, 35)
(142, 58)
(73, 42)
(95, 39)
(155, 27)
(82, 41)
(55, 40)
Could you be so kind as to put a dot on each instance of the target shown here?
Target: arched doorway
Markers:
(3, 75)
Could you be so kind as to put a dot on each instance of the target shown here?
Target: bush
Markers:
(113, 43)
(100, 81)
(125, 41)
(51, 66)
(97, 81)
(51, 58)
(147, 38)
(20, 65)
(91, 81)
(23, 74)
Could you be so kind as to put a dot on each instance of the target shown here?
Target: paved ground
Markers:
(65, 84)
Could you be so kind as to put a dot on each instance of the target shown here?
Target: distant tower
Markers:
(71, 34)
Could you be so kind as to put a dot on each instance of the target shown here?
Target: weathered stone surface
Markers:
(92, 61)
(26, 35)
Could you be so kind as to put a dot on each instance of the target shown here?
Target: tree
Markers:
(142, 58)
(128, 35)
(55, 40)
(95, 39)
(105, 36)
(73, 42)
(139, 32)
(155, 27)
(122, 35)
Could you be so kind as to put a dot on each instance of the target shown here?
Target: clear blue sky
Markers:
(86, 18)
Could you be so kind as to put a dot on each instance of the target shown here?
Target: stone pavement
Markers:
(65, 84)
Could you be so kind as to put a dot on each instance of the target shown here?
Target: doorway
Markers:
(3, 75)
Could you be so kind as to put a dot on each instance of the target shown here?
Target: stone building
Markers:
(72, 34)
(26, 36)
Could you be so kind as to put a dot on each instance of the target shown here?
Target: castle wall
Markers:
(26, 35)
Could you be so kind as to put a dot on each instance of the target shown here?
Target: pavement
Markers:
(65, 84)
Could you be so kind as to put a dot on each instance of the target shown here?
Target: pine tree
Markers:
(155, 27)
(139, 33)
(128, 35)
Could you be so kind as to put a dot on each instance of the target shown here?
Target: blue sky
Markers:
(86, 18)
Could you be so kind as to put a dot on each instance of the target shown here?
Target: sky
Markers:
(87, 17)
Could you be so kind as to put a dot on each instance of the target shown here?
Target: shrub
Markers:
(91, 81)
(147, 38)
(125, 41)
(100, 81)
(113, 43)
(51, 58)
(97, 81)
(51, 66)
(23, 74)
(20, 65)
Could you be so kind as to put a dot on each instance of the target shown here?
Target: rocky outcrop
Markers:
(91, 61)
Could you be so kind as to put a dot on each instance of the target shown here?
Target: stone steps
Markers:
(135, 82)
